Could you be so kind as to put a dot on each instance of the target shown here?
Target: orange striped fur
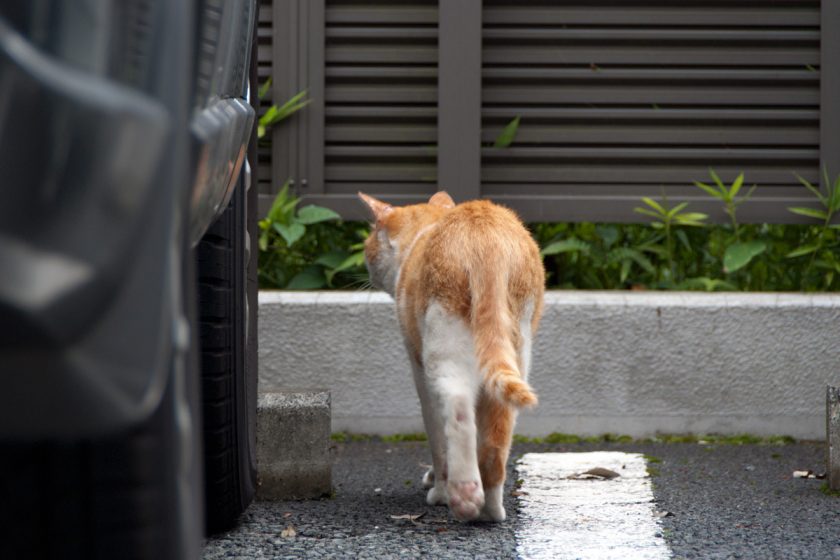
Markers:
(478, 263)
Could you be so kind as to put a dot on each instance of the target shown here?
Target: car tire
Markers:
(227, 329)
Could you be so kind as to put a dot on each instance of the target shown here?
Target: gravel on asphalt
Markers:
(724, 501)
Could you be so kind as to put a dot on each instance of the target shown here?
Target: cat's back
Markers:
(472, 229)
(477, 236)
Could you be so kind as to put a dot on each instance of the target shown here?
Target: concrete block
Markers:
(832, 431)
(633, 363)
(293, 445)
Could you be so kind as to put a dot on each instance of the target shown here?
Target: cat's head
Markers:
(393, 231)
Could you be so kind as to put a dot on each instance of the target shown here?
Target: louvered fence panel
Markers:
(641, 98)
(380, 97)
(617, 100)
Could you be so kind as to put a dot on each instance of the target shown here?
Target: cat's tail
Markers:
(493, 329)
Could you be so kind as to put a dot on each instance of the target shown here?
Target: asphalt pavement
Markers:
(717, 501)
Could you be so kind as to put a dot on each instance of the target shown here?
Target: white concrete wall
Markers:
(624, 362)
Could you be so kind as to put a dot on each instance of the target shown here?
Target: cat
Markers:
(469, 282)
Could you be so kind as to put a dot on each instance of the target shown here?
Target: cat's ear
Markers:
(378, 208)
(442, 199)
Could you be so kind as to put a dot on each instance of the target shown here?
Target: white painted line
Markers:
(587, 519)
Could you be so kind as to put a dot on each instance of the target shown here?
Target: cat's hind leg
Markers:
(495, 431)
(434, 431)
(463, 486)
(451, 375)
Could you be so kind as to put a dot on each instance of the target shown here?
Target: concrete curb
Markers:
(293, 441)
(623, 362)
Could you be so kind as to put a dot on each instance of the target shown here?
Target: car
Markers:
(127, 283)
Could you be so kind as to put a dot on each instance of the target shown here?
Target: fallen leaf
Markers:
(598, 473)
(517, 493)
(661, 514)
(287, 514)
(441, 529)
(801, 474)
(288, 533)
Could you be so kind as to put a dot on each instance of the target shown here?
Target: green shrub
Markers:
(311, 248)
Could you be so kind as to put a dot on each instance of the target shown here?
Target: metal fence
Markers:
(617, 100)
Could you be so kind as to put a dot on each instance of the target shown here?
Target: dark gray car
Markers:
(127, 349)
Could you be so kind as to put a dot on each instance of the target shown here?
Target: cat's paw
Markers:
(429, 478)
(437, 496)
(493, 509)
(465, 499)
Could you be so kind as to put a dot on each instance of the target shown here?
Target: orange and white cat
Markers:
(469, 282)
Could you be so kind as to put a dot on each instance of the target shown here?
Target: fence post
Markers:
(829, 88)
(459, 99)
(298, 64)
(284, 72)
(312, 153)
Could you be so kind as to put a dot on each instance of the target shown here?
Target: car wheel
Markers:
(227, 330)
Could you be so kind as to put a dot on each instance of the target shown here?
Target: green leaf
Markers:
(691, 218)
(608, 234)
(505, 139)
(657, 250)
(566, 246)
(809, 212)
(709, 190)
(291, 232)
(275, 114)
(676, 209)
(332, 259)
(739, 255)
(833, 192)
(736, 185)
(263, 91)
(314, 214)
(311, 278)
(683, 239)
(718, 182)
(280, 204)
(356, 259)
(803, 250)
(814, 190)
(647, 212)
(625, 270)
(628, 254)
(655, 205)
(264, 241)
(746, 197)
